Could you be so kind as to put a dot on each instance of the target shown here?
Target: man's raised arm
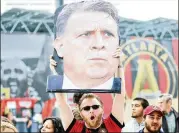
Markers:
(66, 114)
(118, 101)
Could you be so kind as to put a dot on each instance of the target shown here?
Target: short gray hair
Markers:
(94, 5)
(166, 97)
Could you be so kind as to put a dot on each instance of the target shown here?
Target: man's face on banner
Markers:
(14, 76)
(89, 42)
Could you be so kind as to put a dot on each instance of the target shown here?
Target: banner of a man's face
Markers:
(86, 42)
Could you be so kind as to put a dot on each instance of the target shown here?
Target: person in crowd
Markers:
(76, 99)
(52, 125)
(153, 120)
(91, 111)
(88, 46)
(14, 76)
(7, 126)
(29, 122)
(170, 120)
(9, 115)
(137, 122)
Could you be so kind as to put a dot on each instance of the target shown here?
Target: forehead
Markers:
(13, 64)
(89, 20)
(48, 122)
(89, 102)
(155, 113)
(136, 102)
(161, 99)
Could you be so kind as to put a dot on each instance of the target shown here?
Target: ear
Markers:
(170, 102)
(58, 45)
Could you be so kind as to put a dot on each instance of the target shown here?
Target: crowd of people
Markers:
(90, 49)
(159, 118)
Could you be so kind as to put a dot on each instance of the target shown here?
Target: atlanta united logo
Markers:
(149, 69)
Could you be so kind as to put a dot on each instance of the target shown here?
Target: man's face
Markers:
(91, 112)
(14, 75)
(153, 122)
(163, 104)
(89, 41)
(137, 109)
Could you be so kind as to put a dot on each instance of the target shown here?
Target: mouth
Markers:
(13, 83)
(155, 126)
(92, 117)
(98, 59)
(13, 89)
(133, 112)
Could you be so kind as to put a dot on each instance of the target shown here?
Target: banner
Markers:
(18, 106)
(25, 64)
(151, 67)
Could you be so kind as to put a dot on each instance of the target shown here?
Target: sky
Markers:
(134, 9)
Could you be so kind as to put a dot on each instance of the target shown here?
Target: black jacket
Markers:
(165, 125)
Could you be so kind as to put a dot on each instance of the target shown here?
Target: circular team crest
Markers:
(149, 69)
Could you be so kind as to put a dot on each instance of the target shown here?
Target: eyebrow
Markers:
(103, 30)
(136, 104)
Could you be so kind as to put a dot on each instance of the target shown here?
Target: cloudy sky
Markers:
(135, 9)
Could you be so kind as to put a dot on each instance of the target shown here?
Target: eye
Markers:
(7, 71)
(86, 34)
(152, 117)
(108, 34)
(19, 71)
(158, 118)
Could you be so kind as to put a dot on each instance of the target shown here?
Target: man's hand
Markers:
(53, 64)
(117, 53)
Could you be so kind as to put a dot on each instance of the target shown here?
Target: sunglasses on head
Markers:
(87, 108)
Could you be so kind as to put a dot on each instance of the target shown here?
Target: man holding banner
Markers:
(87, 39)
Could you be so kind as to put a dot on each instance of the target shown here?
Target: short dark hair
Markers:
(144, 102)
(89, 95)
(76, 97)
(93, 5)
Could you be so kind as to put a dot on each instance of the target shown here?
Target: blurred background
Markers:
(27, 33)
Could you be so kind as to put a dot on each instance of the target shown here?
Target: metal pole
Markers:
(59, 3)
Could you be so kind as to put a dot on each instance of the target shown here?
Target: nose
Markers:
(42, 129)
(13, 74)
(98, 42)
(133, 107)
(156, 120)
(91, 109)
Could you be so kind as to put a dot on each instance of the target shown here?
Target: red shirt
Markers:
(110, 124)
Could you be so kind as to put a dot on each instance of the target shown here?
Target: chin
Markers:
(97, 73)
(134, 116)
(155, 131)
